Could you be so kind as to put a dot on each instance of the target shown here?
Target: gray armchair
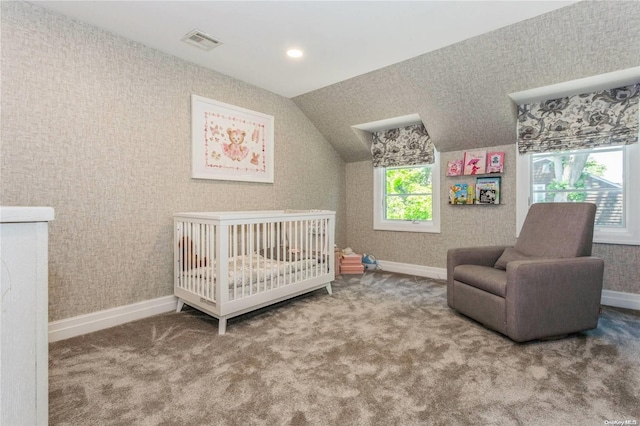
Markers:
(547, 285)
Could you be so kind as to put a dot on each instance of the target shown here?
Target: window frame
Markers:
(627, 235)
(380, 223)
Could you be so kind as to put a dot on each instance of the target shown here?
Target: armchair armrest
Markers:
(483, 256)
(549, 297)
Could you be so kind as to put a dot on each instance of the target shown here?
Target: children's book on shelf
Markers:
(495, 162)
(475, 162)
(460, 193)
(454, 168)
(488, 190)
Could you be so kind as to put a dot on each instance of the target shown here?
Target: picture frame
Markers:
(229, 142)
(475, 162)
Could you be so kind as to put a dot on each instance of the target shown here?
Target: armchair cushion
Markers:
(557, 230)
(485, 278)
(509, 255)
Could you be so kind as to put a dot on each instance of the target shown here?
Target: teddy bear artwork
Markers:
(228, 147)
(234, 148)
(230, 142)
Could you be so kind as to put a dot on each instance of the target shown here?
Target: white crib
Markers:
(230, 263)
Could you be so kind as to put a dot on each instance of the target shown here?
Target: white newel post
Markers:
(24, 318)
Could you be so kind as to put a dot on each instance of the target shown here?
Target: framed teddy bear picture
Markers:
(230, 142)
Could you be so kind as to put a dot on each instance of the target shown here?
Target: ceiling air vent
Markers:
(199, 39)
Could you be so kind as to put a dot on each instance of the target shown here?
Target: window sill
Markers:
(622, 238)
(407, 226)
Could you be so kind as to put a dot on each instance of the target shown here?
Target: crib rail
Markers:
(222, 257)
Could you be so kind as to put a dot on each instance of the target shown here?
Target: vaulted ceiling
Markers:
(461, 91)
(339, 39)
(452, 63)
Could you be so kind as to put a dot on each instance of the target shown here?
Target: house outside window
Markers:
(407, 198)
(606, 176)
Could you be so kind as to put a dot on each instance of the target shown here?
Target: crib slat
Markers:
(291, 233)
(198, 258)
(187, 245)
(222, 264)
(234, 274)
(177, 253)
(205, 267)
(241, 260)
(277, 246)
(265, 236)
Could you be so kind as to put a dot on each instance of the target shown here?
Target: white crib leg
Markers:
(180, 305)
(222, 325)
(329, 289)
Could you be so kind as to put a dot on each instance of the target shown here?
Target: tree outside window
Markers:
(593, 175)
(408, 193)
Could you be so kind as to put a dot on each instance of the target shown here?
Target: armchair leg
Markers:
(558, 337)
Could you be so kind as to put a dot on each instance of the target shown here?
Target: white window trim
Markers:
(629, 235)
(381, 224)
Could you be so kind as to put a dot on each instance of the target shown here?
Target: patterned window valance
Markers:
(607, 117)
(405, 146)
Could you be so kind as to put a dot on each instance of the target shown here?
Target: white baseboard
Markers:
(620, 299)
(616, 299)
(409, 269)
(83, 324)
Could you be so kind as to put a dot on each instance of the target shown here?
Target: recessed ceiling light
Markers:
(294, 53)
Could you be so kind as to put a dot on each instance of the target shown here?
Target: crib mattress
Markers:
(248, 272)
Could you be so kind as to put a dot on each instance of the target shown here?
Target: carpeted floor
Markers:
(384, 349)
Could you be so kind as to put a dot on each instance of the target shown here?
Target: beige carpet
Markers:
(384, 349)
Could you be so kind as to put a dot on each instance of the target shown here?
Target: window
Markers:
(407, 198)
(605, 176)
(538, 192)
(578, 141)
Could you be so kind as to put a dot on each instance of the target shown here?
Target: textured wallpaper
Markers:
(463, 225)
(98, 127)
